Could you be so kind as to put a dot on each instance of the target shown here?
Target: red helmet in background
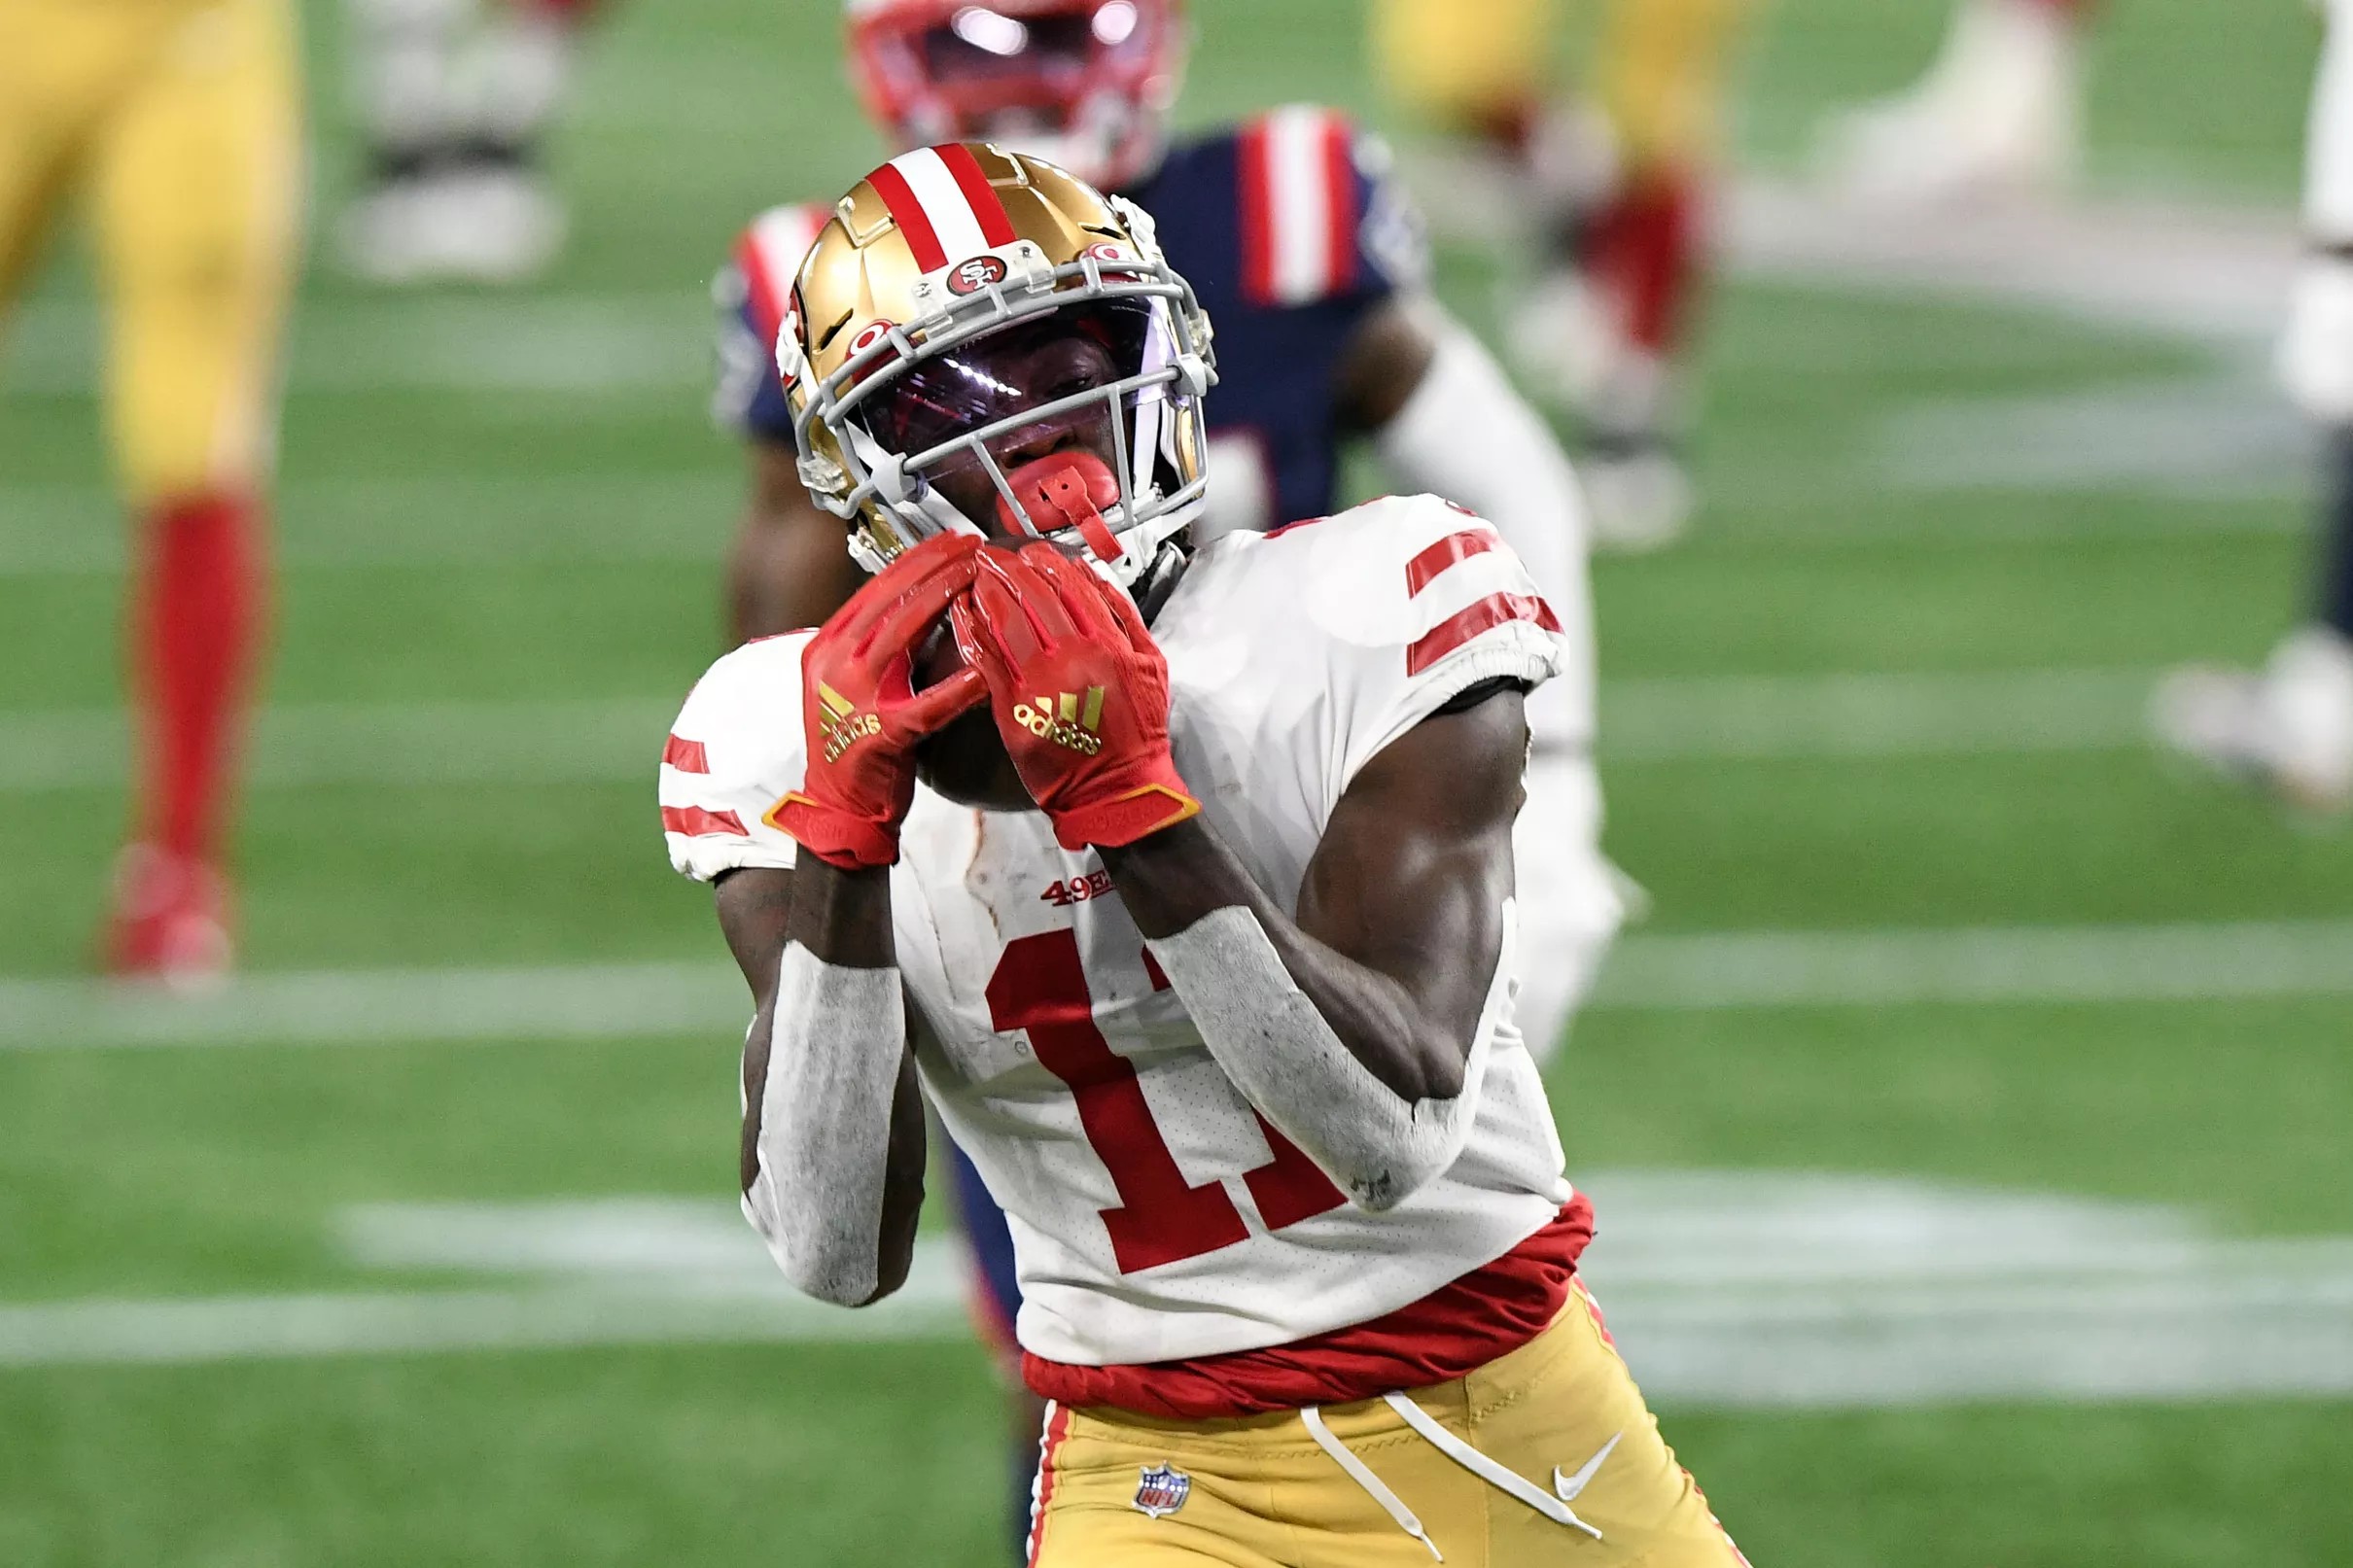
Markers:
(1086, 85)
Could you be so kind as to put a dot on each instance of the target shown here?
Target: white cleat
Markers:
(499, 225)
(1999, 116)
(1638, 498)
(1565, 341)
(2288, 729)
(486, 224)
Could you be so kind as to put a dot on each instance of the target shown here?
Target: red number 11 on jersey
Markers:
(1041, 987)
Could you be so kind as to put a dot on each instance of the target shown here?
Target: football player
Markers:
(1314, 263)
(1180, 883)
(180, 122)
(1616, 188)
(1301, 243)
(2288, 728)
(456, 98)
(2000, 113)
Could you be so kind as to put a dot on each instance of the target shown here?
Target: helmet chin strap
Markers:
(1061, 492)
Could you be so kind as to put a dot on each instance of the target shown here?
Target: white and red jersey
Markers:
(1155, 1215)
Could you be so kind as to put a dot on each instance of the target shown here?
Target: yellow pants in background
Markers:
(179, 123)
(1659, 76)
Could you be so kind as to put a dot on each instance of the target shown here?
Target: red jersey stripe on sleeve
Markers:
(697, 823)
(1424, 568)
(1256, 188)
(995, 225)
(767, 302)
(688, 756)
(1495, 610)
(1341, 212)
(907, 212)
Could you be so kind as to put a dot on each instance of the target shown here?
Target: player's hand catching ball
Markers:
(1080, 693)
(860, 710)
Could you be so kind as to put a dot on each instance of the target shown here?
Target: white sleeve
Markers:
(1468, 436)
(735, 751)
(2316, 352)
(2328, 135)
(1419, 601)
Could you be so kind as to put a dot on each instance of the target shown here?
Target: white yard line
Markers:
(379, 1006)
(1731, 1289)
(1679, 720)
(1646, 973)
(1730, 717)
(1985, 965)
(588, 342)
(179, 1332)
(488, 520)
(303, 745)
(2188, 268)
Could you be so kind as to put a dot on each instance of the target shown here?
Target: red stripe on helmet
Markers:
(995, 225)
(908, 214)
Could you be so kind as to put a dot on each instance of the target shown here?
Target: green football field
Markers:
(1977, 1091)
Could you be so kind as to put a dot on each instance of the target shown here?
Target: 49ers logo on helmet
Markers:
(970, 277)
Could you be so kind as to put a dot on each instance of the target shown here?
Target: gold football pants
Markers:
(1660, 74)
(1561, 1415)
(179, 122)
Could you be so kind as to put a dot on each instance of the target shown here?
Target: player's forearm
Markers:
(1172, 879)
(1337, 1054)
(836, 1176)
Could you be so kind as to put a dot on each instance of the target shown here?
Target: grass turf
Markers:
(554, 535)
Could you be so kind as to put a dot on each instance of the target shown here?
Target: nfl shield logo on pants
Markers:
(1162, 1492)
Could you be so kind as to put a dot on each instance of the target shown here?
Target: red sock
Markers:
(199, 622)
(1644, 252)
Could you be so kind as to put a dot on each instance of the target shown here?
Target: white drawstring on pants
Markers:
(1426, 1427)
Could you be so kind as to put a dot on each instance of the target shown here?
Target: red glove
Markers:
(1080, 692)
(861, 714)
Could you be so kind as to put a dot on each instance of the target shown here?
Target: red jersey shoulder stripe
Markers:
(1296, 180)
(769, 252)
(697, 823)
(1495, 610)
(1424, 568)
(688, 756)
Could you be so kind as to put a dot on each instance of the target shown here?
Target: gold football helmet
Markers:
(979, 342)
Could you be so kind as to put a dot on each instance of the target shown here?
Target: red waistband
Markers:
(1447, 1333)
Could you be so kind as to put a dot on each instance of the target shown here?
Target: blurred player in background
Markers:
(1616, 187)
(178, 121)
(456, 98)
(2288, 728)
(1312, 263)
(2000, 113)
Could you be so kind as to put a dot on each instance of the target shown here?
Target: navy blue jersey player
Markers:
(1310, 262)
